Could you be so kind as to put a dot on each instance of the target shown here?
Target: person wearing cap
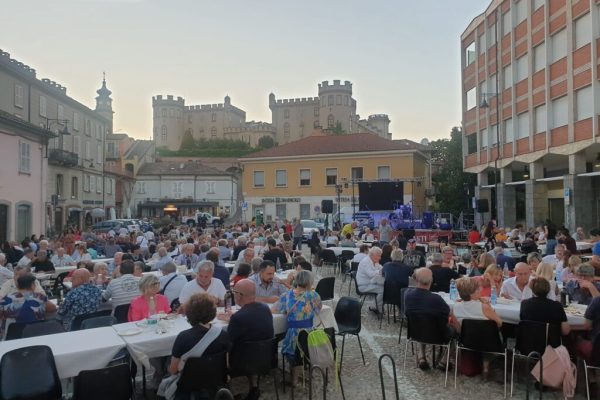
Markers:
(413, 257)
(583, 289)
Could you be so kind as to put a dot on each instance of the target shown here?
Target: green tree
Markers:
(337, 129)
(453, 187)
(188, 141)
(266, 142)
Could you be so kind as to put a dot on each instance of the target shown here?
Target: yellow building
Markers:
(291, 180)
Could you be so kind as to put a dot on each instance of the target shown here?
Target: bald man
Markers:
(517, 287)
(253, 322)
(84, 298)
(421, 301)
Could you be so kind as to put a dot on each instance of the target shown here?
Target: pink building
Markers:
(23, 174)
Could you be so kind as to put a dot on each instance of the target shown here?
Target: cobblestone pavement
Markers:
(363, 382)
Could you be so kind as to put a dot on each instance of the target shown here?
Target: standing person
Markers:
(385, 232)
(298, 232)
(300, 304)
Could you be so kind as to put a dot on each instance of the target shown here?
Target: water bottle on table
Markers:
(494, 296)
(453, 291)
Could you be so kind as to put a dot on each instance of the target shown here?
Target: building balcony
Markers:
(63, 158)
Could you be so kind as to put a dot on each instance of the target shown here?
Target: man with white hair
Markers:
(188, 257)
(163, 258)
(204, 283)
(369, 277)
(61, 258)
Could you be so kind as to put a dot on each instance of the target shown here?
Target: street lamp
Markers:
(339, 188)
(484, 104)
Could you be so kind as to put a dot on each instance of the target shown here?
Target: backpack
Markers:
(320, 351)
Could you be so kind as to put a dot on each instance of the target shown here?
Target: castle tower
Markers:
(104, 103)
(382, 123)
(167, 118)
(337, 105)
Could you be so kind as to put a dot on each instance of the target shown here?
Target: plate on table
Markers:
(130, 332)
(502, 300)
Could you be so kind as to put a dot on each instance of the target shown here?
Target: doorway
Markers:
(556, 211)
(3, 223)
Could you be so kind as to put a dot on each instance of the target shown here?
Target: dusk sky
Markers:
(403, 57)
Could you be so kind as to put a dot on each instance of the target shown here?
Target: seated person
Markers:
(491, 277)
(517, 287)
(502, 260)
(363, 251)
(124, 288)
(200, 310)
(303, 265)
(26, 305)
(420, 300)
(584, 288)
(369, 277)
(540, 308)
(251, 323)
(204, 283)
(396, 271)
(592, 322)
(10, 286)
(268, 289)
(83, 298)
(442, 275)
(150, 302)
(243, 272)
(41, 262)
(472, 306)
(347, 241)
(171, 282)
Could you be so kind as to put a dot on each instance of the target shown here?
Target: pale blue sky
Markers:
(403, 57)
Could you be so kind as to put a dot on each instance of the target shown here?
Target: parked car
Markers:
(309, 226)
(115, 225)
(192, 220)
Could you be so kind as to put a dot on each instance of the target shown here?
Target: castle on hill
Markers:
(291, 119)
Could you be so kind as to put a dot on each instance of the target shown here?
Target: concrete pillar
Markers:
(506, 205)
(577, 163)
(536, 202)
(580, 202)
(506, 175)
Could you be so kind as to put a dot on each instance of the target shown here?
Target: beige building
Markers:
(292, 119)
(172, 119)
(78, 190)
(334, 106)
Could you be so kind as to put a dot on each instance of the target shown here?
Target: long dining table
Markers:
(509, 310)
(143, 342)
(74, 351)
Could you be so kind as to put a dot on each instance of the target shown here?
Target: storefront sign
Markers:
(281, 200)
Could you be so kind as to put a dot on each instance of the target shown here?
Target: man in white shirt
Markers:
(123, 289)
(61, 259)
(27, 257)
(163, 258)
(556, 259)
(517, 287)
(369, 277)
(204, 283)
(171, 283)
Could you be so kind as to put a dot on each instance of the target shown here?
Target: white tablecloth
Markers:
(60, 270)
(338, 250)
(509, 312)
(581, 246)
(74, 351)
(149, 344)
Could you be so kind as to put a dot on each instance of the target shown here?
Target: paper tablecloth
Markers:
(74, 351)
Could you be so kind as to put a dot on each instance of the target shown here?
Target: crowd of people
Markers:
(143, 270)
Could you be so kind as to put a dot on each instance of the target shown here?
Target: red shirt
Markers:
(139, 307)
(474, 237)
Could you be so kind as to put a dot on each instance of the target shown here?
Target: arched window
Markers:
(286, 129)
(163, 133)
(213, 132)
(330, 121)
(164, 112)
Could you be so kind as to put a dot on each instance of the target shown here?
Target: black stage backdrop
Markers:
(380, 195)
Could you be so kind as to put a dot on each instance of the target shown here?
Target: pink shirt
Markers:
(138, 309)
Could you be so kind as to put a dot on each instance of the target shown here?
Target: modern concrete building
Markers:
(292, 119)
(78, 191)
(530, 104)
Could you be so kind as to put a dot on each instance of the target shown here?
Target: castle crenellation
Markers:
(291, 118)
(17, 65)
(54, 85)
